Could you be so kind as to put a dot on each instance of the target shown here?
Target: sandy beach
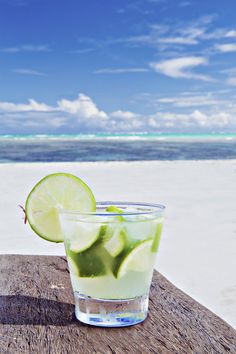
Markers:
(198, 247)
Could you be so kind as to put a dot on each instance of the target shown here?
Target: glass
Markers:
(111, 257)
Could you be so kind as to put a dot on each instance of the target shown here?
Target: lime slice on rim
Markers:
(137, 259)
(50, 195)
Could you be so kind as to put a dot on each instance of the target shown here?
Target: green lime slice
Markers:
(73, 266)
(115, 210)
(115, 241)
(51, 194)
(84, 236)
(87, 264)
(136, 259)
(157, 236)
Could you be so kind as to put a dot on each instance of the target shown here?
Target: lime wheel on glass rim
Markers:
(51, 194)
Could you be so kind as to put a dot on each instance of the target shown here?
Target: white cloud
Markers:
(189, 101)
(178, 68)
(170, 39)
(177, 40)
(195, 119)
(168, 119)
(123, 115)
(160, 35)
(82, 107)
(27, 48)
(83, 115)
(179, 34)
(230, 34)
(28, 72)
(120, 70)
(225, 48)
(217, 119)
(34, 121)
(32, 105)
(199, 117)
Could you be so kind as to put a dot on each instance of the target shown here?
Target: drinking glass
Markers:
(111, 256)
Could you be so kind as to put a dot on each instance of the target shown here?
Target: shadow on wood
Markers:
(27, 310)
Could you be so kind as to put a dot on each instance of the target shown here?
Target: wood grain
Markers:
(37, 317)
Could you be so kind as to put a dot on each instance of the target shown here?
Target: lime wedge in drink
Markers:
(115, 240)
(73, 266)
(84, 236)
(157, 236)
(86, 264)
(51, 194)
(113, 209)
(136, 259)
(113, 237)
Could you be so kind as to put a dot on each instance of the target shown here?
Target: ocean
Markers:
(119, 147)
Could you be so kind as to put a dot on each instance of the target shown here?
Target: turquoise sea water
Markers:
(116, 147)
(132, 136)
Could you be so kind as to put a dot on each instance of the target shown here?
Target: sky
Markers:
(117, 66)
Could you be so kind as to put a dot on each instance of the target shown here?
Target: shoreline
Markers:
(197, 250)
(121, 137)
(129, 162)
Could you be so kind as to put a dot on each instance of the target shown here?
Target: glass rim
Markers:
(153, 209)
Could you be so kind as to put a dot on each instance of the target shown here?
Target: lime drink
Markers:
(110, 246)
(111, 255)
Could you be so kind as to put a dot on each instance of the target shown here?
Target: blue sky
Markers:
(117, 66)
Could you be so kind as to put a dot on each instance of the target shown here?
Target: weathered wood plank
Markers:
(36, 316)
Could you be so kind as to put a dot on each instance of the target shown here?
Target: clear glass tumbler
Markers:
(111, 256)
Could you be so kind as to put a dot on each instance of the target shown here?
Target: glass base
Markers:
(110, 313)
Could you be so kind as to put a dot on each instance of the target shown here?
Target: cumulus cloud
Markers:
(83, 115)
(195, 119)
(32, 105)
(82, 107)
(179, 68)
(124, 114)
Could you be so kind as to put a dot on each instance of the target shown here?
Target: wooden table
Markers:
(37, 317)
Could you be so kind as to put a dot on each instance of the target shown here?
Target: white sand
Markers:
(198, 248)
